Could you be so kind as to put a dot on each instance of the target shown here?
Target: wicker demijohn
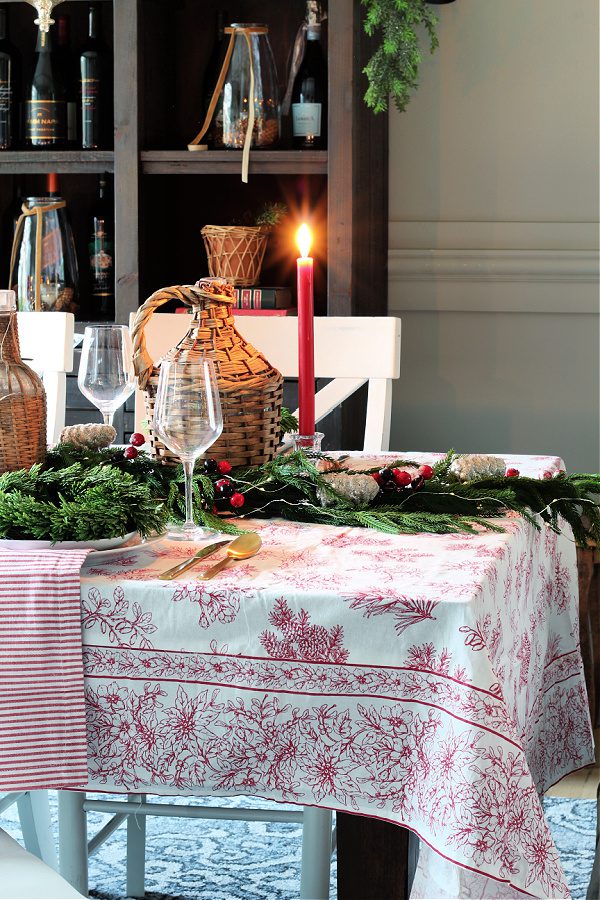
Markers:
(236, 252)
(22, 398)
(250, 388)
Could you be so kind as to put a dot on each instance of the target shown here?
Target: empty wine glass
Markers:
(188, 419)
(106, 375)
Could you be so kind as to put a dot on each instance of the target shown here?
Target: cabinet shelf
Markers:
(229, 162)
(62, 161)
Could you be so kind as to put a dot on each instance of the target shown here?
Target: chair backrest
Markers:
(350, 350)
(46, 340)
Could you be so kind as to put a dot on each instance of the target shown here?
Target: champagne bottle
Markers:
(95, 87)
(65, 63)
(101, 253)
(309, 93)
(46, 108)
(9, 86)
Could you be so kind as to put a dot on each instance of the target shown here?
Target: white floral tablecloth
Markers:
(431, 680)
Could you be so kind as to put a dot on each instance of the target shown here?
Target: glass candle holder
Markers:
(308, 443)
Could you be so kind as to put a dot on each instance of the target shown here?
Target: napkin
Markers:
(42, 709)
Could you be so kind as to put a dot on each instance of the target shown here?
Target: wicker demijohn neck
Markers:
(22, 403)
(250, 389)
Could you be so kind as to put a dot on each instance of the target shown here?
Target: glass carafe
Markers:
(44, 272)
(251, 62)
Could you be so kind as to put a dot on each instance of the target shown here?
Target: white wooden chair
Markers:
(46, 340)
(25, 876)
(351, 351)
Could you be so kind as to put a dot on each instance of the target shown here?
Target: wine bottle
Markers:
(46, 108)
(9, 86)
(64, 60)
(101, 252)
(309, 93)
(94, 86)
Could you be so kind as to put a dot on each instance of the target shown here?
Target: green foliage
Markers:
(394, 67)
(271, 214)
(86, 495)
(289, 422)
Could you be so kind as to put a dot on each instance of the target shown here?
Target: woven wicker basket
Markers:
(22, 404)
(236, 252)
(251, 390)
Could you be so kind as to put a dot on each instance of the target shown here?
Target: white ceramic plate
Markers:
(108, 544)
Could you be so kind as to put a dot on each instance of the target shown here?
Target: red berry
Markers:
(402, 478)
(237, 500)
(547, 474)
(130, 453)
(224, 467)
(377, 478)
(512, 473)
(137, 439)
(426, 472)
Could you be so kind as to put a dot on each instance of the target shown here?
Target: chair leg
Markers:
(72, 837)
(316, 854)
(36, 825)
(136, 850)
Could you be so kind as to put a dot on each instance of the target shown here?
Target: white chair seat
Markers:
(25, 877)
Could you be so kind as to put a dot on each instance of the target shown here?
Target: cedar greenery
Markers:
(394, 67)
(78, 494)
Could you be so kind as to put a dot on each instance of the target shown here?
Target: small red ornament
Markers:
(426, 472)
(237, 500)
(137, 439)
(512, 473)
(402, 478)
(224, 467)
(377, 478)
(130, 453)
(547, 474)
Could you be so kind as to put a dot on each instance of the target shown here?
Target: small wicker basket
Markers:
(236, 252)
(251, 390)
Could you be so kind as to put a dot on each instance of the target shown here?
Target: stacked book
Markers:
(267, 301)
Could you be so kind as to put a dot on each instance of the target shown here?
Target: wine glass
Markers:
(106, 375)
(188, 419)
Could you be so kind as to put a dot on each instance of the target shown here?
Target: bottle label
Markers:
(101, 264)
(45, 121)
(5, 96)
(306, 118)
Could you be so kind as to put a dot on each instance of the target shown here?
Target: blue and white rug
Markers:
(204, 859)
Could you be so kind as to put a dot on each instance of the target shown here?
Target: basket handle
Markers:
(143, 363)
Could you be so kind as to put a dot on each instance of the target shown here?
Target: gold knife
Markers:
(170, 574)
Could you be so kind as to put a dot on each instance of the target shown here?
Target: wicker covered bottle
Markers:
(22, 398)
(251, 390)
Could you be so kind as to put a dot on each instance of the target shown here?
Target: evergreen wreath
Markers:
(85, 494)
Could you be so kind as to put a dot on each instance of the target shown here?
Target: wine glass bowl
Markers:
(106, 374)
(188, 420)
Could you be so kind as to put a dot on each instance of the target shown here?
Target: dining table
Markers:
(422, 683)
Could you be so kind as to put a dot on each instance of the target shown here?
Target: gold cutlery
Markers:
(170, 574)
(243, 547)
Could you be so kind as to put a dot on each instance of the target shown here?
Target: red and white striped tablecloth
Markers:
(42, 709)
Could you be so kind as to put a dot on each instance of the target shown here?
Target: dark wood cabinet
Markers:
(164, 194)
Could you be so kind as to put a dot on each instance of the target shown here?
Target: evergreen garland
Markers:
(82, 494)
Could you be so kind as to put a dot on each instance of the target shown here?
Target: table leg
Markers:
(136, 850)
(372, 859)
(72, 839)
(316, 854)
(36, 825)
(585, 571)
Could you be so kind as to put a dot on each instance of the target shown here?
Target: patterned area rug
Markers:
(196, 859)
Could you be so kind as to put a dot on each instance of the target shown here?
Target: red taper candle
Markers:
(306, 334)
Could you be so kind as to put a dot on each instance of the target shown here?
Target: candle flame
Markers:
(304, 239)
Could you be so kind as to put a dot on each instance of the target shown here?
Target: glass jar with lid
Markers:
(251, 73)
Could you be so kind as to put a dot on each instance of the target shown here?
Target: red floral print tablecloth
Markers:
(431, 680)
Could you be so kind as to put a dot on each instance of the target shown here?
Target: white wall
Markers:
(494, 195)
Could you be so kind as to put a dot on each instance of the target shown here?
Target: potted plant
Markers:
(236, 251)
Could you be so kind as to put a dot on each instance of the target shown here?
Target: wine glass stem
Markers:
(188, 468)
(108, 418)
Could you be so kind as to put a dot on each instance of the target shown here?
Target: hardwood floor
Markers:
(580, 785)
